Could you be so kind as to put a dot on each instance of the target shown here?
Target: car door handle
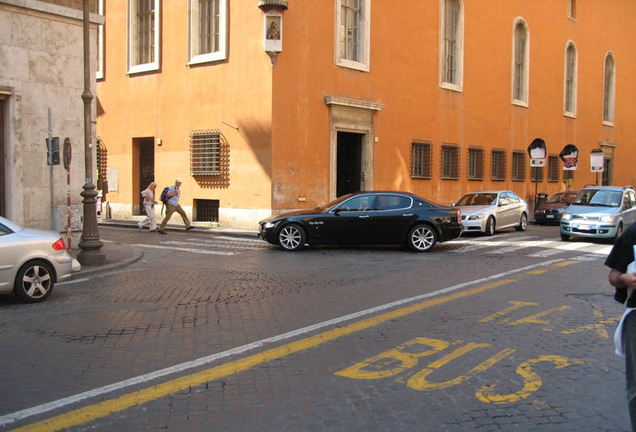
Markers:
(407, 214)
(363, 216)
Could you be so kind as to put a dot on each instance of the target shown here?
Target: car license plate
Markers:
(549, 216)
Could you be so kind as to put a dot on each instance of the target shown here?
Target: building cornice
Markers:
(353, 103)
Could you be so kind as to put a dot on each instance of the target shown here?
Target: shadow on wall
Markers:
(259, 139)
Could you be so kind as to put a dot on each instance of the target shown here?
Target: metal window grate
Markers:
(553, 168)
(205, 152)
(498, 165)
(536, 174)
(206, 210)
(420, 160)
(475, 164)
(450, 162)
(518, 166)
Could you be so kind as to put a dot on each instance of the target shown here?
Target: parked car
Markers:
(32, 261)
(599, 212)
(488, 211)
(552, 210)
(368, 218)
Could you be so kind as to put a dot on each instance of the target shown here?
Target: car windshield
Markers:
(333, 203)
(600, 198)
(561, 198)
(477, 199)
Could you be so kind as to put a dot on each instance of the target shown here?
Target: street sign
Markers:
(53, 151)
(67, 154)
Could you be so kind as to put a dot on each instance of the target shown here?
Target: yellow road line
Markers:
(130, 400)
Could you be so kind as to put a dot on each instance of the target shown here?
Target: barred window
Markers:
(498, 165)
(450, 162)
(536, 174)
(451, 43)
(207, 30)
(569, 97)
(608, 89)
(520, 59)
(205, 152)
(553, 168)
(475, 164)
(518, 166)
(354, 29)
(143, 35)
(420, 160)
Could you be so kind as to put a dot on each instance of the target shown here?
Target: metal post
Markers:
(91, 253)
(49, 151)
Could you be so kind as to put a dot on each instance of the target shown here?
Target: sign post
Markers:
(537, 151)
(67, 167)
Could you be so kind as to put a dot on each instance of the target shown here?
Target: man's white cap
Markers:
(178, 180)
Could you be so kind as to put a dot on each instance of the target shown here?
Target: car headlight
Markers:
(476, 216)
(566, 216)
(269, 225)
(607, 219)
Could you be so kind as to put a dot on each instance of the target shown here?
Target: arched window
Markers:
(520, 63)
(609, 89)
(451, 44)
(569, 93)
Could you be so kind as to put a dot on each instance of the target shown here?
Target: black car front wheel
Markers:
(422, 238)
(292, 237)
(34, 281)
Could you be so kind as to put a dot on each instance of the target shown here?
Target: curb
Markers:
(199, 229)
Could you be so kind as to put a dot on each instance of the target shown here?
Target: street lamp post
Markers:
(91, 253)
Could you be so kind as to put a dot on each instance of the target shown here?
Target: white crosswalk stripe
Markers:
(497, 246)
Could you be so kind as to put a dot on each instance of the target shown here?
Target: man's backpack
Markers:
(164, 197)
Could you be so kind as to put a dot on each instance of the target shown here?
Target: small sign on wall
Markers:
(112, 176)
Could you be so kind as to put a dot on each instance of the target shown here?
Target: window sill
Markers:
(608, 123)
(147, 67)
(350, 64)
(519, 103)
(452, 87)
(206, 58)
(569, 115)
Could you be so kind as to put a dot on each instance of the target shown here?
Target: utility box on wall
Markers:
(61, 218)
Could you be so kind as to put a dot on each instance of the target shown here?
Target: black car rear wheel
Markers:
(292, 237)
(422, 238)
(34, 281)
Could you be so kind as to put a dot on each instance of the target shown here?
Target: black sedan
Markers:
(366, 218)
(551, 211)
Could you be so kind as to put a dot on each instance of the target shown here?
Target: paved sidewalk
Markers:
(121, 255)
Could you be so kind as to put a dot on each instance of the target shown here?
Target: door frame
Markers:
(348, 115)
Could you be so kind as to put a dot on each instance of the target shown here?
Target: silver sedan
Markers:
(488, 211)
(32, 261)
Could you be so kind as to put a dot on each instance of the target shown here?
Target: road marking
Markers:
(196, 251)
(102, 409)
(212, 244)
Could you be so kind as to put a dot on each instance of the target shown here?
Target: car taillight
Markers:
(59, 245)
(459, 216)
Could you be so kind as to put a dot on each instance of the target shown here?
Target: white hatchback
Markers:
(32, 261)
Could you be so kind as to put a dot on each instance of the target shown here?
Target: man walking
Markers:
(623, 278)
(174, 193)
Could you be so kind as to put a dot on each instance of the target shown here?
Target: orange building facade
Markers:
(272, 105)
